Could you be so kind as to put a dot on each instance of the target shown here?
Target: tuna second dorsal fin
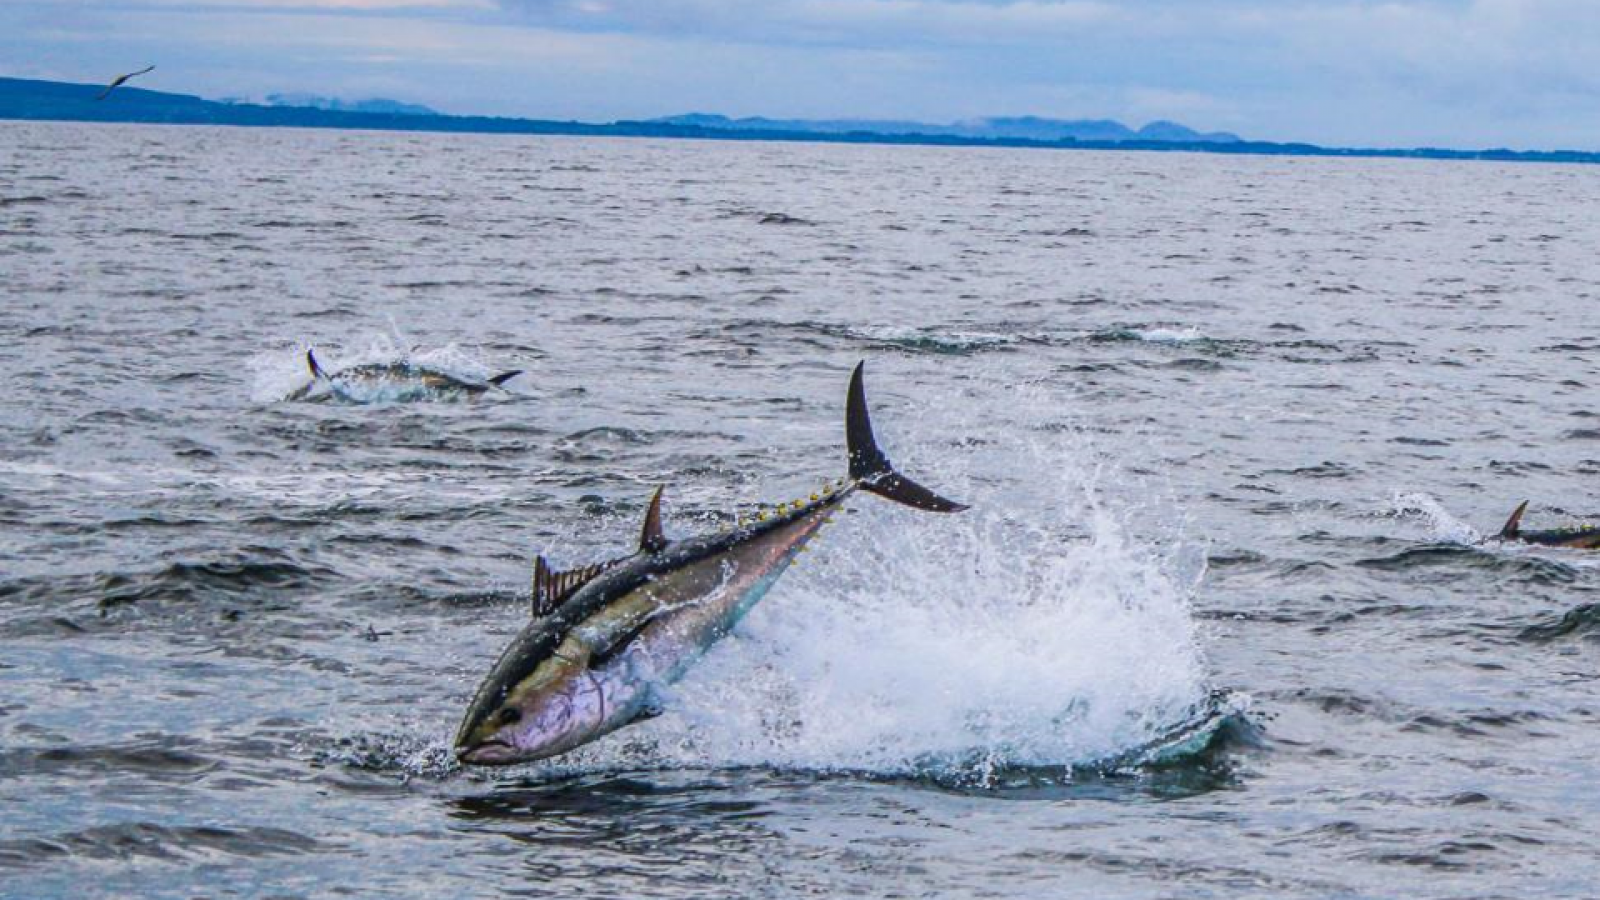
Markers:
(552, 588)
(651, 538)
(1514, 524)
(311, 363)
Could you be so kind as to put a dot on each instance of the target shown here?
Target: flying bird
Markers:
(120, 80)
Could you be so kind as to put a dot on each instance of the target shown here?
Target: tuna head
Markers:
(550, 714)
(564, 681)
(570, 697)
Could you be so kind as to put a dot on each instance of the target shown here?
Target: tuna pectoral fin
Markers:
(871, 469)
(501, 379)
(1514, 524)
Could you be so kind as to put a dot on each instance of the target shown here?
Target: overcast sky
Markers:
(1465, 73)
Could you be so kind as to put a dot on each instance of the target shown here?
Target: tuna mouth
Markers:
(491, 752)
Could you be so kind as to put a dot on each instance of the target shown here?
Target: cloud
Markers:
(200, 7)
(881, 22)
(1463, 43)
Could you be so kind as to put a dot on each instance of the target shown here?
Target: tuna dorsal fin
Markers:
(552, 588)
(651, 538)
(1514, 524)
(311, 363)
(501, 379)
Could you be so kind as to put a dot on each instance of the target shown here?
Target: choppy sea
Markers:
(1222, 622)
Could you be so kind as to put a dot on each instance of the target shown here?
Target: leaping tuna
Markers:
(606, 637)
(1580, 538)
(395, 382)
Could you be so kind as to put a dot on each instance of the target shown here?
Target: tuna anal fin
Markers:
(552, 588)
(1514, 524)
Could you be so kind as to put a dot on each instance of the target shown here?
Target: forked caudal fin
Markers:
(501, 379)
(1514, 524)
(311, 363)
(871, 469)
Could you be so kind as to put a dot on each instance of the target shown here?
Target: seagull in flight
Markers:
(120, 80)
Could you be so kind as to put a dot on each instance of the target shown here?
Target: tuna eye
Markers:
(509, 715)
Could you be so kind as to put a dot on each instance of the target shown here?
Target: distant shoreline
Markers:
(34, 101)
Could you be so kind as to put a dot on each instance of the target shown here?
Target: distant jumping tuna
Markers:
(1581, 538)
(395, 382)
(604, 638)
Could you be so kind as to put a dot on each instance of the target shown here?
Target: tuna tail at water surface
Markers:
(318, 374)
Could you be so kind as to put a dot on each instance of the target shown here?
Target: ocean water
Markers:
(1222, 621)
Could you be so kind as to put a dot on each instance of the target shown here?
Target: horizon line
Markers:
(661, 127)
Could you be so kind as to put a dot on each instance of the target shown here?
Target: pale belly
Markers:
(696, 607)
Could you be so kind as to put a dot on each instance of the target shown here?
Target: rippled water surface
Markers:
(1221, 622)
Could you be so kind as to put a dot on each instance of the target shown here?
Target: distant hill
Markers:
(1031, 128)
(27, 99)
(58, 101)
(373, 105)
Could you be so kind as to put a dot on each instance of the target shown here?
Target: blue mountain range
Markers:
(373, 105)
(1032, 128)
(60, 101)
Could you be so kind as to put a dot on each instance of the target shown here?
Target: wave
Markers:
(250, 571)
(1195, 755)
(125, 841)
(1582, 622)
(1517, 561)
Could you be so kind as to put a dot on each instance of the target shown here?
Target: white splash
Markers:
(945, 340)
(906, 642)
(1440, 524)
(1168, 335)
